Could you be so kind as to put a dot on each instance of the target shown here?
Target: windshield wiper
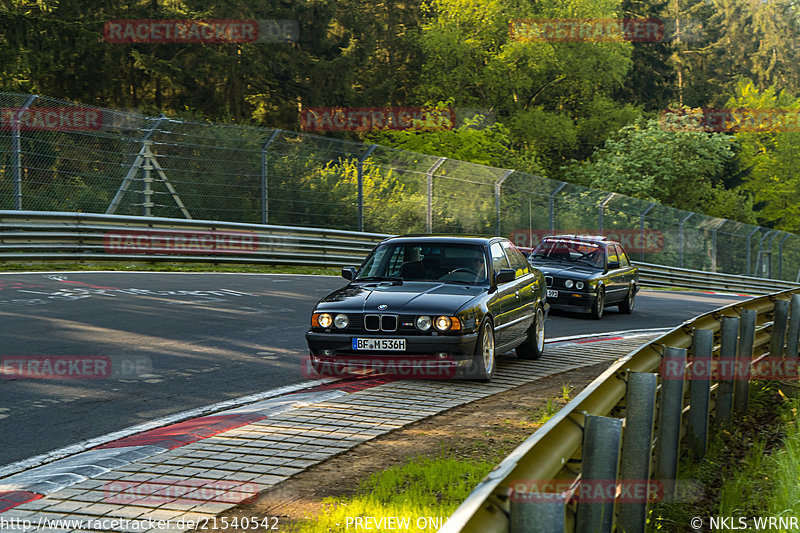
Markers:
(399, 281)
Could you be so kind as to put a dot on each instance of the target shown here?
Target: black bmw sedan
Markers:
(586, 272)
(432, 302)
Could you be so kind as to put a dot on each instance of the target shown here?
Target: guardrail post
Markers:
(538, 513)
(727, 355)
(497, 186)
(700, 391)
(360, 168)
(673, 370)
(601, 440)
(637, 440)
(744, 358)
(16, 150)
(793, 334)
(778, 339)
(264, 178)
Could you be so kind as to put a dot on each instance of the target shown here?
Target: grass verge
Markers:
(421, 494)
(751, 468)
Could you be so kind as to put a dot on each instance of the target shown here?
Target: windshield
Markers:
(452, 263)
(569, 251)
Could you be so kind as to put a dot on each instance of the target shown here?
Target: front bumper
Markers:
(572, 300)
(454, 347)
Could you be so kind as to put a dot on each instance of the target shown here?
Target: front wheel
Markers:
(483, 362)
(627, 304)
(599, 304)
(533, 347)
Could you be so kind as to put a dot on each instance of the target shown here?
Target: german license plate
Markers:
(552, 293)
(380, 345)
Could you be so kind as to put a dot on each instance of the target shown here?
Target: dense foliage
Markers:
(587, 112)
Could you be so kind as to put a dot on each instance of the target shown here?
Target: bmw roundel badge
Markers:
(382, 307)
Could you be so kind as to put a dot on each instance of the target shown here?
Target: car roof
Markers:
(444, 239)
(599, 239)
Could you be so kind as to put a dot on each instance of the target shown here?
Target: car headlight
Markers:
(424, 323)
(341, 321)
(447, 323)
(579, 285)
(325, 320)
(568, 284)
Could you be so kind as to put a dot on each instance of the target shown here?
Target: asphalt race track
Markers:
(188, 340)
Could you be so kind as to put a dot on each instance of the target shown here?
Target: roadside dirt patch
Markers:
(487, 429)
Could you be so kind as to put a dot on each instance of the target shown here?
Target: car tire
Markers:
(484, 360)
(533, 347)
(627, 304)
(599, 304)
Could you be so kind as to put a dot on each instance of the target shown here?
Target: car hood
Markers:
(575, 270)
(411, 298)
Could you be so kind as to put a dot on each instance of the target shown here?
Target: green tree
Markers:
(680, 168)
(770, 152)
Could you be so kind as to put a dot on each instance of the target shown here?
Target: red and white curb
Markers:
(269, 436)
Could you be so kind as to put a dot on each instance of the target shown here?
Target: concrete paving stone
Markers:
(100, 509)
(132, 511)
(319, 456)
(187, 471)
(301, 463)
(62, 506)
(283, 471)
(212, 508)
(207, 464)
(19, 514)
(35, 505)
(242, 476)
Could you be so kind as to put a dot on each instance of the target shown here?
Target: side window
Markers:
(612, 253)
(498, 257)
(517, 260)
(623, 258)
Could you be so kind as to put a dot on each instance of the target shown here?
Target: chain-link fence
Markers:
(62, 156)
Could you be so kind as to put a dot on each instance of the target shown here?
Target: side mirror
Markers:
(613, 265)
(349, 273)
(504, 275)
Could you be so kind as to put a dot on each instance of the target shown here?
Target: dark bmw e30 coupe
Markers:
(433, 301)
(586, 272)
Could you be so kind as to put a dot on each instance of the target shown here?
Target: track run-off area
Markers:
(181, 341)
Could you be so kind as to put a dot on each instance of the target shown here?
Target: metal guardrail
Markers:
(584, 441)
(51, 236)
(48, 236)
(664, 276)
